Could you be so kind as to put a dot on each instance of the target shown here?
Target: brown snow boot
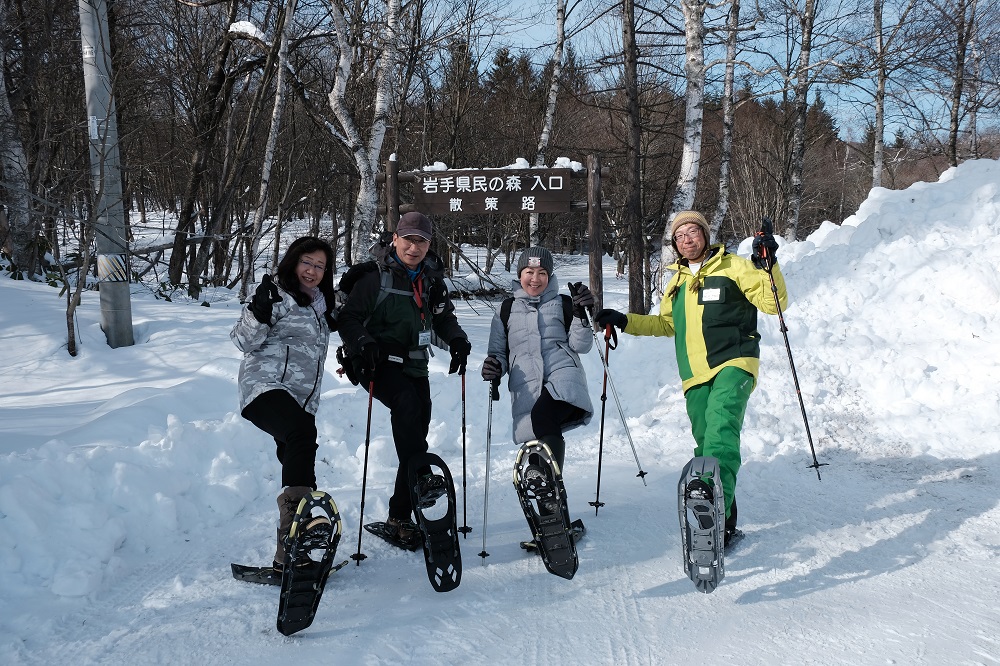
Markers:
(288, 503)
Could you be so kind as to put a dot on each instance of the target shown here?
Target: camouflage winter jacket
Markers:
(289, 355)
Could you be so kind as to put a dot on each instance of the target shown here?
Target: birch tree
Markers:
(365, 152)
(550, 108)
(253, 243)
(694, 116)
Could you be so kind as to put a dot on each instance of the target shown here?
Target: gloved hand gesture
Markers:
(583, 299)
(460, 348)
(370, 357)
(613, 317)
(492, 369)
(765, 247)
(263, 300)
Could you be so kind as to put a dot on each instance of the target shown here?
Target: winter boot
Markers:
(542, 489)
(403, 531)
(731, 531)
(288, 503)
(430, 487)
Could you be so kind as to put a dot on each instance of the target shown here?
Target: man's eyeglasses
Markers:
(686, 236)
(309, 264)
(415, 240)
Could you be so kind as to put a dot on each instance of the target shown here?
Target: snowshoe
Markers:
(442, 553)
(702, 511)
(539, 485)
(310, 548)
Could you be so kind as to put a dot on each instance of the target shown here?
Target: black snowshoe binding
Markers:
(393, 534)
(442, 554)
(702, 511)
(539, 485)
(577, 530)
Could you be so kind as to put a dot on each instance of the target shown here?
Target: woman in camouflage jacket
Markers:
(283, 332)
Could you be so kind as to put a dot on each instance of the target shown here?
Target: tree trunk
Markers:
(550, 110)
(260, 209)
(366, 154)
(728, 114)
(694, 109)
(880, 77)
(23, 230)
(965, 21)
(801, 110)
(212, 106)
(632, 213)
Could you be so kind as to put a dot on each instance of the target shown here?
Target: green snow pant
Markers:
(716, 409)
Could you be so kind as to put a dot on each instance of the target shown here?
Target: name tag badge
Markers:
(711, 295)
(424, 338)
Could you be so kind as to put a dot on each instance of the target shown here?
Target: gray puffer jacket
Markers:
(542, 354)
(289, 355)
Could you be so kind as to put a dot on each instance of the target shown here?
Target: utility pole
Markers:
(105, 169)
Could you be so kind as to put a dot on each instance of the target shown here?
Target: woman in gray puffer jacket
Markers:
(547, 383)
(284, 332)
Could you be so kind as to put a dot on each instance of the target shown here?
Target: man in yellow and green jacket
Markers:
(710, 309)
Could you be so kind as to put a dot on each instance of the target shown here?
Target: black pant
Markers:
(409, 403)
(547, 418)
(294, 430)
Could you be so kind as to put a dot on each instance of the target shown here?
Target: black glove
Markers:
(491, 369)
(369, 357)
(765, 248)
(583, 299)
(264, 299)
(460, 349)
(613, 317)
(437, 296)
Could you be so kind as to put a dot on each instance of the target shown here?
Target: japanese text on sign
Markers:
(500, 191)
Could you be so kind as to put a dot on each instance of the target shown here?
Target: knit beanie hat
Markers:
(535, 257)
(689, 217)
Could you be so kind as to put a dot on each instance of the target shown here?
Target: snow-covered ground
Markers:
(128, 482)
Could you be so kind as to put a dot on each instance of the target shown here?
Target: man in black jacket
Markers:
(388, 332)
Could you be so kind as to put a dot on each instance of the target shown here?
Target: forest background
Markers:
(235, 116)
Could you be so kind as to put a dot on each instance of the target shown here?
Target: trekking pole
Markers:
(767, 227)
(597, 503)
(464, 529)
(358, 556)
(494, 395)
(609, 331)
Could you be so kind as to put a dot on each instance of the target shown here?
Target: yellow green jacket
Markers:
(712, 315)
